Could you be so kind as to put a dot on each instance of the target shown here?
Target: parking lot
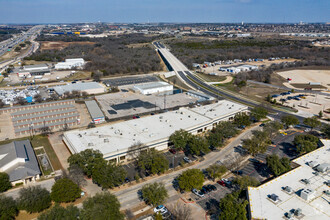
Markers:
(125, 102)
(256, 167)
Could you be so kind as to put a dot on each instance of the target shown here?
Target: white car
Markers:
(162, 209)
(197, 193)
(187, 160)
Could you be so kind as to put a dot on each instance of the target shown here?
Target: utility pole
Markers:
(164, 101)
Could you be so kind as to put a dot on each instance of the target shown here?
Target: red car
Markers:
(173, 151)
(222, 183)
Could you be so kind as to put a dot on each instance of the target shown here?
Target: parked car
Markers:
(187, 160)
(221, 183)
(162, 209)
(173, 151)
(200, 194)
(212, 187)
(207, 189)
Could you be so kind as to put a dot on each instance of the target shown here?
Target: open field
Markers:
(300, 76)
(59, 45)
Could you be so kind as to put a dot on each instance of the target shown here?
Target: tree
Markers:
(101, 206)
(180, 139)
(58, 212)
(152, 161)
(154, 193)
(134, 150)
(2, 104)
(272, 128)
(65, 190)
(34, 199)
(8, 208)
(38, 98)
(86, 160)
(45, 130)
(305, 143)
(108, 174)
(326, 130)
(197, 144)
(258, 113)
(288, 120)
(216, 171)
(20, 100)
(278, 166)
(4, 182)
(232, 207)
(242, 119)
(190, 179)
(180, 212)
(312, 122)
(320, 114)
(76, 174)
(244, 181)
(258, 143)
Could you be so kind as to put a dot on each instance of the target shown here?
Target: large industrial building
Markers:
(114, 141)
(33, 70)
(88, 87)
(70, 64)
(154, 87)
(95, 112)
(302, 193)
(18, 160)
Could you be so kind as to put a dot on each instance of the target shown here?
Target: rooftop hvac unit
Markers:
(101, 136)
(288, 189)
(307, 194)
(79, 135)
(298, 212)
(274, 197)
(90, 144)
(106, 140)
(160, 117)
(145, 130)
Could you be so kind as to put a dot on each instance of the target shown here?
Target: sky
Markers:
(186, 11)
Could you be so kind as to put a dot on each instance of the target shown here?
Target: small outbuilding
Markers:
(95, 111)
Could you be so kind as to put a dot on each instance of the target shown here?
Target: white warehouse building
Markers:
(154, 87)
(115, 141)
(70, 63)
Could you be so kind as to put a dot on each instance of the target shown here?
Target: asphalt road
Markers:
(128, 197)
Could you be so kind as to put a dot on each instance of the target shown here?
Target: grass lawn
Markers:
(211, 78)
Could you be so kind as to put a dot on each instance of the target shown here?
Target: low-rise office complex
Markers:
(18, 160)
(116, 141)
(302, 193)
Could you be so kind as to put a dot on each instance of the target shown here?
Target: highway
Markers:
(196, 83)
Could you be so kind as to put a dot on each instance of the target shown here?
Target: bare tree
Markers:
(134, 150)
(76, 174)
(38, 98)
(180, 211)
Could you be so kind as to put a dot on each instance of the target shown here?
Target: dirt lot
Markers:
(59, 45)
(302, 76)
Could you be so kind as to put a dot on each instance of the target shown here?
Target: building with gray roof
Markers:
(89, 87)
(18, 160)
(95, 111)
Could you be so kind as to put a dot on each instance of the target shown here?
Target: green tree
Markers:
(198, 144)
(34, 199)
(233, 208)
(191, 178)
(4, 182)
(86, 160)
(312, 122)
(258, 143)
(244, 181)
(278, 166)
(216, 171)
(65, 190)
(58, 212)
(8, 208)
(305, 143)
(215, 139)
(258, 113)
(154, 193)
(288, 120)
(217, 136)
(180, 139)
(108, 174)
(153, 161)
(326, 130)
(272, 128)
(320, 114)
(101, 206)
(242, 119)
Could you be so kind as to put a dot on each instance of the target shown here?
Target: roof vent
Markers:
(145, 130)
(274, 197)
(79, 135)
(90, 144)
(298, 212)
(101, 136)
(106, 140)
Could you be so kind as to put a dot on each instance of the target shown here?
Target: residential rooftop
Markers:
(307, 187)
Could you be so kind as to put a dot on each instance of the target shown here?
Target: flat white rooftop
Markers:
(316, 208)
(148, 130)
(152, 85)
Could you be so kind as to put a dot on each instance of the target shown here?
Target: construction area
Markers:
(301, 79)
